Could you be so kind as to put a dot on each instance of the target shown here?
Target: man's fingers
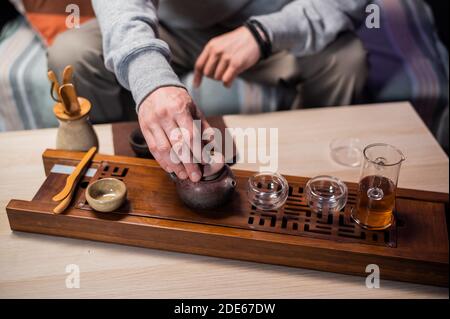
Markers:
(152, 147)
(181, 150)
(198, 114)
(192, 136)
(211, 64)
(199, 66)
(220, 69)
(229, 76)
(163, 147)
(204, 126)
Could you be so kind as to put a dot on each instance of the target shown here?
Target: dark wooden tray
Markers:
(415, 249)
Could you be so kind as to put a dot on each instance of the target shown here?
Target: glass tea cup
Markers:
(326, 194)
(377, 186)
(267, 190)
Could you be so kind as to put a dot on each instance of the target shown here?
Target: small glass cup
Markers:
(267, 191)
(326, 194)
(346, 151)
(377, 186)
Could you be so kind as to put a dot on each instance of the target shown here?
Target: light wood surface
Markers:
(305, 137)
(34, 265)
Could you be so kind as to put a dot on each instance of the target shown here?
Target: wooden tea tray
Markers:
(415, 249)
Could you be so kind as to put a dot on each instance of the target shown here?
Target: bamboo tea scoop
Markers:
(68, 94)
(72, 181)
(63, 204)
(67, 74)
(69, 99)
(75, 176)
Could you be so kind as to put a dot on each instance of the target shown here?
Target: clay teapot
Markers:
(210, 192)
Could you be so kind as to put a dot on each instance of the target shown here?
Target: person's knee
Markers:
(71, 48)
(350, 60)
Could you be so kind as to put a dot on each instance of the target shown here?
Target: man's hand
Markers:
(162, 114)
(226, 56)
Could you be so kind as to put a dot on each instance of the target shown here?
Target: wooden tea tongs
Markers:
(66, 194)
(66, 93)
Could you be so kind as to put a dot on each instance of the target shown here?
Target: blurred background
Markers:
(408, 59)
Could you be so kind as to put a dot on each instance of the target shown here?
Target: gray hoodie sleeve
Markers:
(305, 27)
(131, 48)
(140, 60)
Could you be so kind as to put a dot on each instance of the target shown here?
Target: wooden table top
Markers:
(33, 265)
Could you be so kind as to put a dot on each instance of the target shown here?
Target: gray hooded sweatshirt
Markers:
(140, 60)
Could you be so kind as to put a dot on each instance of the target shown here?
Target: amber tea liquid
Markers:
(374, 209)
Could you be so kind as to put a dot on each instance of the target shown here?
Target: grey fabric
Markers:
(129, 28)
(335, 76)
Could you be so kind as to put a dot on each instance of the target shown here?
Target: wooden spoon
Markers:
(73, 179)
(68, 93)
(63, 204)
(67, 75)
(69, 99)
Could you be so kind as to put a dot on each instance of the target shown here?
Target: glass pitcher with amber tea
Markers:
(377, 186)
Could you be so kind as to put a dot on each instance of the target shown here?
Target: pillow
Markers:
(48, 17)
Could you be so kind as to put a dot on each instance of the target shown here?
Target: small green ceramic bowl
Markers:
(106, 195)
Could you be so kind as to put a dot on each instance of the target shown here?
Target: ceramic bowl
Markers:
(106, 195)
